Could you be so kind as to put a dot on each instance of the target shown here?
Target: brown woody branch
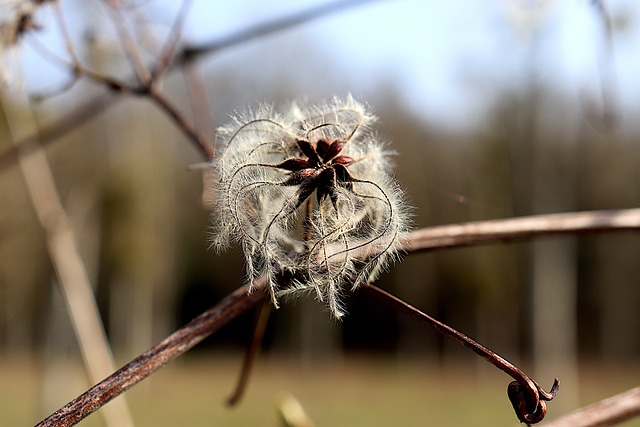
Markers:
(157, 356)
(607, 412)
(424, 239)
(511, 229)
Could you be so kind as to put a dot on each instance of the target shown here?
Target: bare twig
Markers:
(504, 230)
(64, 30)
(607, 412)
(256, 32)
(259, 327)
(526, 395)
(201, 142)
(153, 359)
(71, 272)
(128, 42)
(200, 105)
(145, 86)
(239, 301)
(171, 45)
(189, 54)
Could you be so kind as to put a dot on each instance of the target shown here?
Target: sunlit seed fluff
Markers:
(308, 191)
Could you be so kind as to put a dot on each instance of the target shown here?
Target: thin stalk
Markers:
(157, 356)
(257, 336)
(607, 412)
(527, 397)
(526, 227)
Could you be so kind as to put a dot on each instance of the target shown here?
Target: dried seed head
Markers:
(308, 192)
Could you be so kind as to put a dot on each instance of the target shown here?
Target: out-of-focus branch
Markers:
(170, 47)
(153, 359)
(239, 301)
(144, 84)
(259, 328)
(128, 42)
(604, 115)
(94, 106)
(526, 395)
(200, 141)
(67, 122)
(504, 230)
(607, 412)
(71, 272)
(192, 53)
(199, 100)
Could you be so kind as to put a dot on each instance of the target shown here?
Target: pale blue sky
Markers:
(448, 60)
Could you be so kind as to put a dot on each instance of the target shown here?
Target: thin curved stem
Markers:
(425, 239)
(527, 397)
(200, 142)
(253, 349)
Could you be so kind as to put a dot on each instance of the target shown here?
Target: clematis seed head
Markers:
(308, 193)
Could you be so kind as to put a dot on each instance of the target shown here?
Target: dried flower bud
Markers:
(308, 192)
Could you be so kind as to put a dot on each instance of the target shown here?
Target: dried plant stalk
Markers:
(240, 301)
(607, 412)
(153, 359)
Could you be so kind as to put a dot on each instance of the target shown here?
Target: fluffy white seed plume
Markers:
(308, 194)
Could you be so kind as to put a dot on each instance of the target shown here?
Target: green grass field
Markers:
(356, 391)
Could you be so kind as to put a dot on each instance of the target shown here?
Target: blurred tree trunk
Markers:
(613, 176)
(543, 170)
(619, 297)
(554, 261)
(23, 275)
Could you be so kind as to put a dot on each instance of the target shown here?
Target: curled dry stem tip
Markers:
(526, 396)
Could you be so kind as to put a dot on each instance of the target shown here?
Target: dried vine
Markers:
(240, 301)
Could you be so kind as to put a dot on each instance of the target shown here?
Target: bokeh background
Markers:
(496, 109)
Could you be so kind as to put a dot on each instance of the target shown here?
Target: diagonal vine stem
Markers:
(153, 359)
(425, 239)
(526, 395)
